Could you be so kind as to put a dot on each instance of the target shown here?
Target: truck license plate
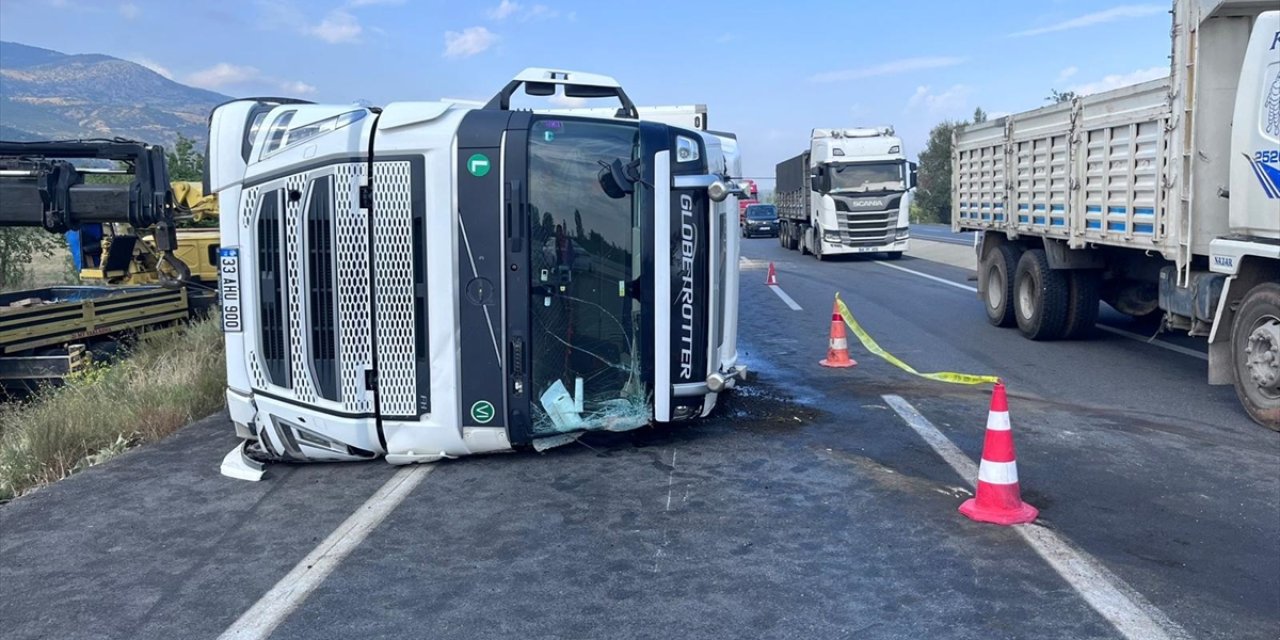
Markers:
(865, 249)
(229, 285)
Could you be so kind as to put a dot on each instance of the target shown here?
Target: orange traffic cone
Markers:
(772, 279)
(998, 500)
(837, 347)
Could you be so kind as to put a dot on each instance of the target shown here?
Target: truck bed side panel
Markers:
(1092, 171)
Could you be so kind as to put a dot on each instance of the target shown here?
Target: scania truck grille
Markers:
(869, 229)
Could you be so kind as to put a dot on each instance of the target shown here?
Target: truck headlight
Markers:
(902, 233)
(831, 236)
(686, 149)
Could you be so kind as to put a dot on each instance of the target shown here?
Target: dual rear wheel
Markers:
(1045, 303)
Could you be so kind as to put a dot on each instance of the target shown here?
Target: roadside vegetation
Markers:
(163, 382)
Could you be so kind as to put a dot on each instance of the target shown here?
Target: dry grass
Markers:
(166, 381)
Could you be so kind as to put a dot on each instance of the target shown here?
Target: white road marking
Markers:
(928, 277)
(1120, 332)
(785, 298)
(273, 607)
(1126, 609)
(1155, 343)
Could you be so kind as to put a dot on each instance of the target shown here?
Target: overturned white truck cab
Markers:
(431, 280)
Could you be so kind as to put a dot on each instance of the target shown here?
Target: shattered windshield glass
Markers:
(585, 253)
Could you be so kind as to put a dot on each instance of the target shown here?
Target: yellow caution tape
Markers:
(870, 345)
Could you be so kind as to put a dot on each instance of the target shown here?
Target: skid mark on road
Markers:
(272, 608)
(1126, 609)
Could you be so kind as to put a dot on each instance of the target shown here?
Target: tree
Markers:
(933, 193)
(185, 163)
(1058, 97)
(18, 248)
(979, 115)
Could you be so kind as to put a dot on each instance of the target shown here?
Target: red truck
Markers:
(749, 187)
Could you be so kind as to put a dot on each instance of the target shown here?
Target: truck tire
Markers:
(1040, 298)
(1082, 303)
(1255, 354)
(803, 240)
(893, 255)
(997, 270)
(782, 235)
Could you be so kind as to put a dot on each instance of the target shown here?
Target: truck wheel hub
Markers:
(1262, 355)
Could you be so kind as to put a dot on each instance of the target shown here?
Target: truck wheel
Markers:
(1040, 298)
(1255, 351)
(1082, 303)
(997, 273)
(893, 255)
(782, 235)
(803, 241)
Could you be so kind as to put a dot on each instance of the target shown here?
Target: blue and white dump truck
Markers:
(849, 192)
(1162, 198)
(429, 280)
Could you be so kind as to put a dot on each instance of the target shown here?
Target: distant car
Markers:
(760, 220)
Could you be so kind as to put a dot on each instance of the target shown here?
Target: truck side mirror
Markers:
(815, 183)
(915, 174)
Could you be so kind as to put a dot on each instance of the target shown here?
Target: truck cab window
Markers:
(586, 326)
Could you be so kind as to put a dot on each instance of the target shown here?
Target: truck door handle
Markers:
(516, 215)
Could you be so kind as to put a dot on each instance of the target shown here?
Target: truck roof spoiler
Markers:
(860, 132)
(539, 81)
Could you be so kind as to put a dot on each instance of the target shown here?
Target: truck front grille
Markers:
(867, 228)
(272, 313)
(323, 334)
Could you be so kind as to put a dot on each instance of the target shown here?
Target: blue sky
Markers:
(768, 71)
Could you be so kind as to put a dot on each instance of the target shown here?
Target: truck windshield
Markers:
(585, 252)
(866, 177)
(762, 212)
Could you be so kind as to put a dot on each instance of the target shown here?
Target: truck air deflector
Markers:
(481, 259)
(662, 286)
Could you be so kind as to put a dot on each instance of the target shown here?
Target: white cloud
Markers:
(540, 12)
(337, 27)
(1067, 73)
(1115, 81)
(561, 100)
(504, 10)
(1113, 14)
(893, 67)
(951, 101)
(152, 65)
(297, 87)
(223, 74)
(129, 10)
(507, 9)
(468, 42)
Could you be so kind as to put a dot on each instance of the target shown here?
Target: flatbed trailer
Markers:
(49, 333)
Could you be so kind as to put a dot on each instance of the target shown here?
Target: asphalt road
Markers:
(941, 233)
(806, 508)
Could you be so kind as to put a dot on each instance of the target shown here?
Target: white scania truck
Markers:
(1162, 198)
(429, 280)
(850, 192)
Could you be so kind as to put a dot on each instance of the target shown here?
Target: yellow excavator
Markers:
(122, 256)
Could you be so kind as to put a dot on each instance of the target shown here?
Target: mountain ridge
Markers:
(47, 94)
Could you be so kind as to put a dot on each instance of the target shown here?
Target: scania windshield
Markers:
(867, 177)
(586, 248)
